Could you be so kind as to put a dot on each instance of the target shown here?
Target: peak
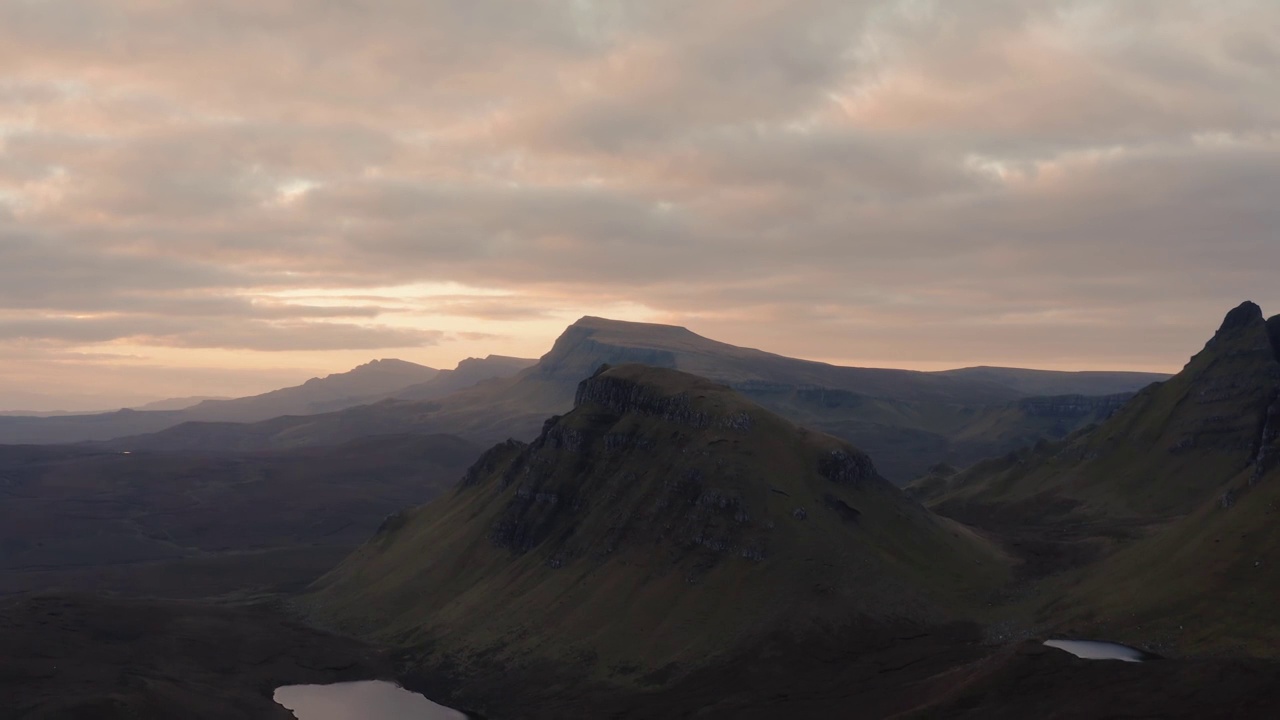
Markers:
(640, 390)
(1243, 316)
(654, 382)
(493, 359)
(591, 322)
(389, 364)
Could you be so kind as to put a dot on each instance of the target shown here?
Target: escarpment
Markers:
(1208, 432)
(708, 501)
(664, 521)
(1074, 405)
(1273, 332)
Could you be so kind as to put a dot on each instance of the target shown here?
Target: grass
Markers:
(1127, 520)
(635, 587)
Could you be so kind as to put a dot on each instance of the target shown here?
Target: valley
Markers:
(693, 535)
(639, 360)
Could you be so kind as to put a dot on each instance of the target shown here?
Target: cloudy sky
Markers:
(202, 197)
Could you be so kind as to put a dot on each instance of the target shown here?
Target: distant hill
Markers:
(179, 403)
(364, 384)
(1171, 507)
(468, 372)
(906, 420)
(1052, 382)
(1159, 454)
(665, 525)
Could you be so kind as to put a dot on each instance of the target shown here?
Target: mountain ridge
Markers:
(1159, 525)
(906, 419)
(1205, 421)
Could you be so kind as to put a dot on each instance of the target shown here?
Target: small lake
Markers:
(366, 700)
(1097, 650)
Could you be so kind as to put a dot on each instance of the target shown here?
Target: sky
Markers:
(205, 197)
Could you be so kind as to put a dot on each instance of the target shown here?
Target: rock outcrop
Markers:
(1073, 406)
(1205, 434)
(704, 520)
(1273, 332)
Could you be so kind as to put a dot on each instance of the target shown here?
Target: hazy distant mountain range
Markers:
(906, 420)
(368, 383)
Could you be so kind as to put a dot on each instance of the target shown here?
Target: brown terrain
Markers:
(669, 547)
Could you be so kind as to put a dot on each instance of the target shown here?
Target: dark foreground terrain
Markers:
(201, 524)
(76, 657)
(94, 658)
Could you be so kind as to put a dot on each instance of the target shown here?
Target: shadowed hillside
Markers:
(468, 372)
(81, 657)
(710, 524)
(1170, 447)
(366, 383)
(190, 525)
(1169, 510)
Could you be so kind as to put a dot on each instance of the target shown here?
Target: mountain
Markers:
(1164, 451)
(178, 403)
(364, 384)
(906, 420)
(468, 372)
(664, 527)
(358, 386)
(1167, 513)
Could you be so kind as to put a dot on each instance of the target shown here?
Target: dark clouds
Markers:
(1054, 183)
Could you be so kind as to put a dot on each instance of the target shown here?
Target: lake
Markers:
(1097, 650)
(366, 700)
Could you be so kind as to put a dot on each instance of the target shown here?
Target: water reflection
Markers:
(1096, 650)
(366, 700)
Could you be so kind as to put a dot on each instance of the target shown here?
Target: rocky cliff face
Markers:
(1208, 432)
(1229, 387)
(1273, 331)
(577, 353)
(703, 503)
(663, 521)
(622, 396)
(1267, 454)
(1074, 406)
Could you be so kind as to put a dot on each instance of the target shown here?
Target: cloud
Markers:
(224, 332)
(914, 181)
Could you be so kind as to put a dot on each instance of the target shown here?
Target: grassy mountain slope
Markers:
(707, 522)
(1164, 521)
(1173, 446)
(1206, 583)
